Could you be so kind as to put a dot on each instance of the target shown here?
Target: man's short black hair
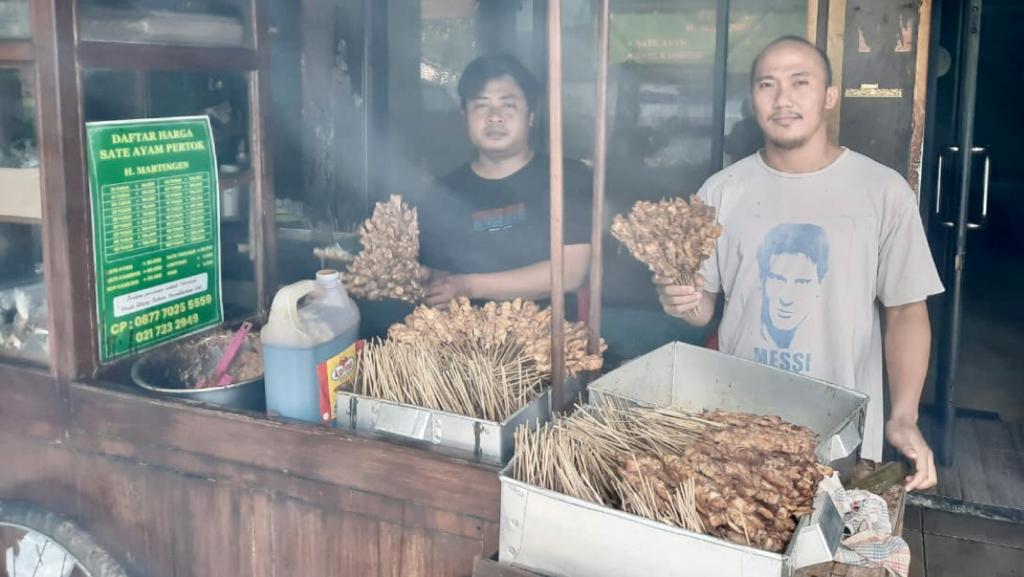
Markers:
(797, 40)
(490, 66)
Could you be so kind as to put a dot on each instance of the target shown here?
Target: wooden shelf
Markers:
(4, 219)
(134, 56)
(16, 51)
(227, 180)
(21, 200)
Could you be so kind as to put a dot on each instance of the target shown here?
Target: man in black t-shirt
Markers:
(485, 227)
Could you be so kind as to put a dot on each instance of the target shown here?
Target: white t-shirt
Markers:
(804, 260)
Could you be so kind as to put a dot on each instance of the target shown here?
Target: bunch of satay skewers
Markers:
(672, 237)
(741, 477)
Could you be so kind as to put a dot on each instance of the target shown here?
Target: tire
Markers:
(92, 559)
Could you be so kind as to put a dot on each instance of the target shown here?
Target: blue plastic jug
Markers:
(309, 347)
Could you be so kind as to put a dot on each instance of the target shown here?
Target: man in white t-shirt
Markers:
(817, 239)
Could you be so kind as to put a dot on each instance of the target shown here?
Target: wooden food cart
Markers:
(177, 488)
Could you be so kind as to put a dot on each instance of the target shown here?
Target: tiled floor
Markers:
(948, 545)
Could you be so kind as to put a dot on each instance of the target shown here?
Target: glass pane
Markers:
(448, 43)
(223, 96)
(24, 326)
(752, 24)
(430, 42)
(209, 23)
(14, 19)
(660, 103)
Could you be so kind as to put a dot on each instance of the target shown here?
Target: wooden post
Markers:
(557, 241)
(262, 209)
(600, 178)
(67, 234)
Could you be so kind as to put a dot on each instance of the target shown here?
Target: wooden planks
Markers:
(175, 489)
(1002, 468)
(16, 51)
(134, 424)
(29, 404)
(164, 523)
(988, 464)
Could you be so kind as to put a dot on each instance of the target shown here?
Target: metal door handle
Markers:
(984, 193)
(984, 189)
(970, 225)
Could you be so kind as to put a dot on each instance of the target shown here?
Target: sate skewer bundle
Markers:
(740, 477)
(493, 325)
(485, 383)
(672, 237)
(388, 267)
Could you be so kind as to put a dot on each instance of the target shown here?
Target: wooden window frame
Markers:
(60, 60)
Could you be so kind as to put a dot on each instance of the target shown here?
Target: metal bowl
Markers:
(157, 371)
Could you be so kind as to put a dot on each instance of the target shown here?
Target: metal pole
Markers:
(950, 360)
(557, 241)
(600, 178)
(719, 87)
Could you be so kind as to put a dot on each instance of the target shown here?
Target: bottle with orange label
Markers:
(310, 347)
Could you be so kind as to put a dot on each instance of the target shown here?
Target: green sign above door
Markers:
(156, 233)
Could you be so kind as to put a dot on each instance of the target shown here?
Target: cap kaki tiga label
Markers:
(337, 372)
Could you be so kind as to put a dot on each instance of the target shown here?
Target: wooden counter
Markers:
(175, 489)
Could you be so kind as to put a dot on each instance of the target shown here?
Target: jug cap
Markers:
(328, 278)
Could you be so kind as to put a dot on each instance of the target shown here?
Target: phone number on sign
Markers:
(168, 316)
(164, 329)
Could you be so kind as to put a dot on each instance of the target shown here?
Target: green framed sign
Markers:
(156, 231)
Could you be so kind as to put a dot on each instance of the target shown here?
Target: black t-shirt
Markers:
(470, 224)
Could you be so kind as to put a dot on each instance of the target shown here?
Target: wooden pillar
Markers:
(879, 52)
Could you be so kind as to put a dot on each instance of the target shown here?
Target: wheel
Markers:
(35, 542)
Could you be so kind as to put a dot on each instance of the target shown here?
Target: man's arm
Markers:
(529, 282)
(908, 338)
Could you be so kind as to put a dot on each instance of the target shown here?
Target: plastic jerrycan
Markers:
(309, 347)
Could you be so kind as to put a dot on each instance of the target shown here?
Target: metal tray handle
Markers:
(406, 423)
(843, 443)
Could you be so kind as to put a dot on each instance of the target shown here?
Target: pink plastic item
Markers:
(220, 377)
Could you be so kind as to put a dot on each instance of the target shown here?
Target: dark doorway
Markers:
(978, 423)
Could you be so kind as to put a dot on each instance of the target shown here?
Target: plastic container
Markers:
(309, 347)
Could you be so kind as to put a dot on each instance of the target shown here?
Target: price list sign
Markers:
(156, 235)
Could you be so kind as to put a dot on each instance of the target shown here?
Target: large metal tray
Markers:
(553, 534)
(694, 379)
(487, 441)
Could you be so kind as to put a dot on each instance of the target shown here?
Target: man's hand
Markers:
(677, 300)
(429, 275)
(905, 435)
(443, 288)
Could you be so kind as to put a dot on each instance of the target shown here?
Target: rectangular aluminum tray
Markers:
(487, 441)
(694, 379)
(560, 536)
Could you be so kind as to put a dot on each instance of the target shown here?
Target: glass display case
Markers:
(24, 328)
(15, 23)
